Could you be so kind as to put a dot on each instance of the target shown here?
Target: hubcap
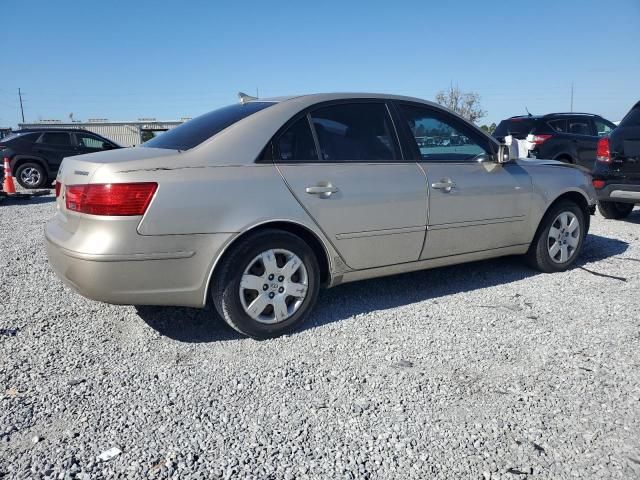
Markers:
(564, 236)
(273, 286)
(30, 176)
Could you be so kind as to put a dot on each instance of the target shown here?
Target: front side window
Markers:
(355, 132)
(89, 141)
(296, 143)
(438, 138)
(603, 128)
(192, 133)
(56, 138)
(579, 126)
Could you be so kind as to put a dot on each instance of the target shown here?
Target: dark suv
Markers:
(35, 155)
(616, 175)
(569, 137)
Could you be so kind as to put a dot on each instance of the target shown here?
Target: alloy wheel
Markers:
(30, 176)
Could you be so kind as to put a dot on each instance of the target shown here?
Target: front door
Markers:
(343, 164)
(475, 204)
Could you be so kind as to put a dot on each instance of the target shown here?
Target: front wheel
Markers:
(267, 284)
(615, 210)
(559, 239)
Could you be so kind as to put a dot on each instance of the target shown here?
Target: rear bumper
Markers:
(622, 192)
(171, 277)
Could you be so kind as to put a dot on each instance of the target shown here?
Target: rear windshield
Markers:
(518, 127)
(632, 119)
(196, 131)
(24, 135)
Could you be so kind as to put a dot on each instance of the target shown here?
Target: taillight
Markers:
(603, 154)
(115, 199)
(541, 138)
(598, 184)
(58, 185)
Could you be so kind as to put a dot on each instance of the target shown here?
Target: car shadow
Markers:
(10, 201)
(335, 304)
(634, 217)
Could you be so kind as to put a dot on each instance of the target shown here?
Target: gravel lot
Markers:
(488, 370)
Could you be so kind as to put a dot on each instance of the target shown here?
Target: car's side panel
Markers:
(487, 208)
(376, 217)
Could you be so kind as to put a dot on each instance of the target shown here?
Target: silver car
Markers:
(257, 205)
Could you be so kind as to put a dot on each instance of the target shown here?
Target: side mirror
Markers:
(503, 154)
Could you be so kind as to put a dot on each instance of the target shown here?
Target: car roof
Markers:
(312, 98)
(51, 129)
(546, 116)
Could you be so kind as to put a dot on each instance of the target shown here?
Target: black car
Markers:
(616, 175)
(36, 154)
(568, 137)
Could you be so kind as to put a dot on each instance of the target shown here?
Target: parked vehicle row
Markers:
(36, 154)
(257, 205)
(567, 137)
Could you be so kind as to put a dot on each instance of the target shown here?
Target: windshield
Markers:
(196, 131)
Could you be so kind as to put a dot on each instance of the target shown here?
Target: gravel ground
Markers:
(488, 370)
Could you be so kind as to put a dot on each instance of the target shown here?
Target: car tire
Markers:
(615, 210)
(277, 304)
(557, 244)
(31, 175)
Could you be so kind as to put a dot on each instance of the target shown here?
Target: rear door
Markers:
(474, 203)
(583, 136)
(54, 147)
(343, 163)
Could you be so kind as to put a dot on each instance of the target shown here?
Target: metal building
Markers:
(126, 134)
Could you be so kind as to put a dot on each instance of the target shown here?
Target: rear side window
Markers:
(56, 138)
(559, 125)
(192, 133)
(296, 144)
(579, 126)
(354, 132)
(632, 119)
(518, 127)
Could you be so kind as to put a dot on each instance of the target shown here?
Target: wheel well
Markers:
(21, 160)
(304, 233)
(565, 156)
(576, 198)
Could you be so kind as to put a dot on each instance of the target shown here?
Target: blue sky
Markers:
(123, 60)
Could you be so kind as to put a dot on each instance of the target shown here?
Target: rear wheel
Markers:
(267, 285)
(615, 210)
(559, 239)
(31, 175)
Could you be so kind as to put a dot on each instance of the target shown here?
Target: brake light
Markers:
(603, 154)
(598, 184)
(541, 138)
(114, 199)
(58, 186)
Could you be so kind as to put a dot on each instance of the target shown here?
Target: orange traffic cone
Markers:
(8, 186)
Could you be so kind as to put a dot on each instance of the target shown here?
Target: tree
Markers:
(488, 128)
(465, 104)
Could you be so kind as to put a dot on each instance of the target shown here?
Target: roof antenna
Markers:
(528, 112)
(244, 98)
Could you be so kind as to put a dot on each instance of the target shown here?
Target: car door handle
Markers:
(323, 190)
(445, 185)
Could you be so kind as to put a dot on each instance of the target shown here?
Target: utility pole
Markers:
(571, 97)
(21, 108)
